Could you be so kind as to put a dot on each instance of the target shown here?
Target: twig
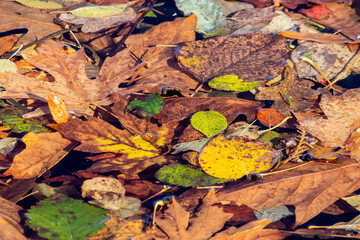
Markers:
(301, 147)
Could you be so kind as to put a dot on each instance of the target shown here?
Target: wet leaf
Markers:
(249, 52)
(209, 123)
(10, 220)
(186, 176)
(177, 224)
(65, 218)
(232, 83)
(269, 117)
(44, 4)
(58, 109)
(42, 152)
(235, 157)
(209, 14)
(132, 153)
(148, 108)
(310, 188)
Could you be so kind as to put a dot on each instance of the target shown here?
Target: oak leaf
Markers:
(177, 224)
(241, 55)
(132, 153)
(310, 187)
(71, 82)
(42, 152)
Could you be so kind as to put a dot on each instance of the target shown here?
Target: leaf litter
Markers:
(135, 99)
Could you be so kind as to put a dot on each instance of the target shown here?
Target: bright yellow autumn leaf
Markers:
(235, 157)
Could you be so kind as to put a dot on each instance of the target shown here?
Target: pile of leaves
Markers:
(181, 119)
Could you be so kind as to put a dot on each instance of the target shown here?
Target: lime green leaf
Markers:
(209, 14)
(186, 176)
(151, 14)
(98, 11)
(232, 83)
(209, 123)
(235, 157)
(148, 108)
(48, 4)
(60, 217)
(20, 125)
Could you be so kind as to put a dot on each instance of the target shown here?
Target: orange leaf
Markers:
(58, 109)
(269, 117)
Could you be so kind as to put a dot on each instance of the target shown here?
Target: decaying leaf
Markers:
(132, 153)
(232, 83)
(177, 224)
(99, 19)
(42, 152)
(71, 83)
(148, 108)
(7, 42)
(235, 157)
(340, 119)
(310, 188)
(241, 55)
(49, 4)
(10, 220)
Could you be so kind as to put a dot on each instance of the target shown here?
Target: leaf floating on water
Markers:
(232, 83)
(148, 108)
(209, 123)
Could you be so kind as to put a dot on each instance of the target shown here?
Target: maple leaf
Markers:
(310, 188)
(42, 152)
(15, 16)
(71, 83)
(132, 153)
(177, 224)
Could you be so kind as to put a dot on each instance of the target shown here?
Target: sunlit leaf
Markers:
(232, 83)
(209, 123)
(58, 109)
(235, 157)
(269, 117)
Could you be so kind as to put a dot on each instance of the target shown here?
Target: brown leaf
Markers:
(340, 119)
(16, 16)
(310, 188)
(10, 221)
(339, 19)
(71, 83)
(317, 37)
(177, 224)
(42, 152)
(6, 43)
(161, 71)
(252, 57)
(251, 231)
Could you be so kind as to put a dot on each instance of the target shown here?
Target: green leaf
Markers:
(209, 14)
(209, 123)
(186, 176)
(148, 108)
(20, 125)
(232, 83)
(60, 217)
(151, 14)
(98, 11)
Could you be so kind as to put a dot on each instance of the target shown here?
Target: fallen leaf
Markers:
(148, 108)
(99, 19)
(160, 71)
(132, 153)
(310, 188)
(241, 55)
(269, 117)
(208, 12)
(235, 157)
(10, 220)
(232, 83)
(177, 224)
(50, 4)
(15, 16)
(71, 83)
(42, 152)
(340, 119)
(58, 109)
(317, 37)
(352, 144)
(6, 43)
(209, 123)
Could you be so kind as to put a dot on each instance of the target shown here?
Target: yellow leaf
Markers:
(234, 157)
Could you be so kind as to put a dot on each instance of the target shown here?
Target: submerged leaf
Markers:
(148, 108)
(186, 176)
(65, 218)
(209, 123)
(232, 83)
(235, 157)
